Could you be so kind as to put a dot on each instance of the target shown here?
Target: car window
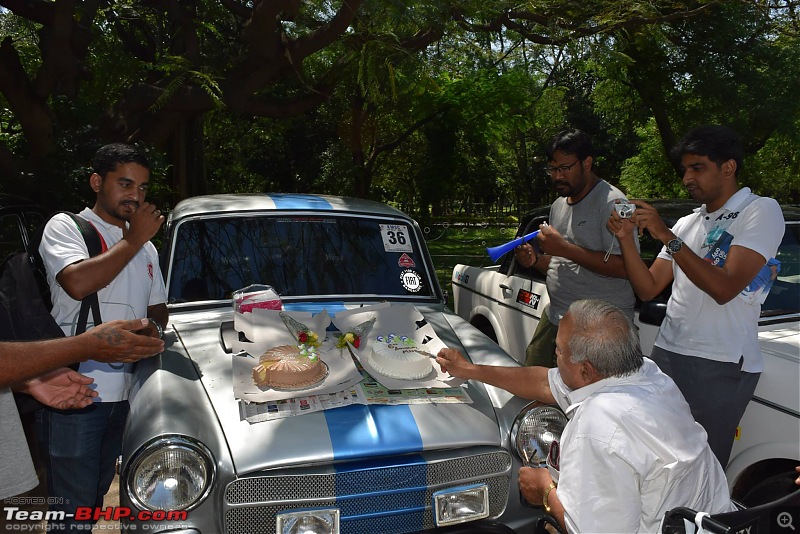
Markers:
(529, 223)
(333, 256)
(784, 297)
(10, 236)
(33, 220)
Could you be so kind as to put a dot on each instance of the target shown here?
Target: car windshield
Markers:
(311, 255)
(785, 294)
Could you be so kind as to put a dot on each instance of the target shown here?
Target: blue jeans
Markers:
(80, 450)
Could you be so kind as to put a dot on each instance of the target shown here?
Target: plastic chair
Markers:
(782, 515)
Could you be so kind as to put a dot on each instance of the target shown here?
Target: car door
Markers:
(523, 297)
(18, 224)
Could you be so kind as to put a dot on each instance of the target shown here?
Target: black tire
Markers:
(770, 489)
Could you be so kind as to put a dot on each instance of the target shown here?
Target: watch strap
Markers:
(674, 245)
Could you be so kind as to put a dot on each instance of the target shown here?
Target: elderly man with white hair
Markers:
(631, 449)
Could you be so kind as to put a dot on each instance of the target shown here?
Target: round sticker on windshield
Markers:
(411, 280)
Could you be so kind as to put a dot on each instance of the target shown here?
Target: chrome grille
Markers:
(398, 494)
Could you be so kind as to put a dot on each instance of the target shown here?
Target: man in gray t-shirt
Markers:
(576, 251)
(16, 465)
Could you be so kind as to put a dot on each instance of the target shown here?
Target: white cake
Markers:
(399, 357)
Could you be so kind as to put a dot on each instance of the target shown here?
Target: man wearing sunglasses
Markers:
(577, 253)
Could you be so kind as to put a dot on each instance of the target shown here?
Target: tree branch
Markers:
(32, 113)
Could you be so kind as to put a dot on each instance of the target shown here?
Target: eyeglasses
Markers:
(551, 171)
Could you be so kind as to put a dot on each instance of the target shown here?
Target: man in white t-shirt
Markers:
(81, 446)
(708, 342)
(631, 450)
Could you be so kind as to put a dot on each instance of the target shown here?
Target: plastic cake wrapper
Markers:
(256, 296)
(266, 329)
(401, 320)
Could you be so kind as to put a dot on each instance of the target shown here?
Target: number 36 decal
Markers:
(396, 238)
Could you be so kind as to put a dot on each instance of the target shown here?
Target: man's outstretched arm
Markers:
(526, 382)
(114, 341)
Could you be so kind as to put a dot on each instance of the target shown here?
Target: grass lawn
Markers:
(450, 244)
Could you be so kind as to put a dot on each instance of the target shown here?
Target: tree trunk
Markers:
(188, 161)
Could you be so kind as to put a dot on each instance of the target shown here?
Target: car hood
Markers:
(355, 431)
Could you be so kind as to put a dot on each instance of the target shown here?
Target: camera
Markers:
(625, 210)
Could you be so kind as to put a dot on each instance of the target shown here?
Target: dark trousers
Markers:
(717, 392)
(542, 348)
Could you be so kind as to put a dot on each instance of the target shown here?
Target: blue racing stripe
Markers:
(315, 307)
(359, 431)
(300, 202)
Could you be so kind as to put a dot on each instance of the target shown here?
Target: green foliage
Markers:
(775, 168)
(179, 74)
(450, 126)
(648, 174)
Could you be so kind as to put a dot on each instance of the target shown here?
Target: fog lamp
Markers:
(311, 521)
(459, 505)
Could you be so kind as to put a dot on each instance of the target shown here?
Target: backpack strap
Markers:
(95, 246)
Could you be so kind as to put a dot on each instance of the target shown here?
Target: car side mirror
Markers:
(227, 336)
(653, 312)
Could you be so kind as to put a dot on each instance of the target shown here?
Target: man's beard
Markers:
(565, 189)
(121, 213)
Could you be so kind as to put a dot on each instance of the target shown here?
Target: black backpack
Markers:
(25, 297)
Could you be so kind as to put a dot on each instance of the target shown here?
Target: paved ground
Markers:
(112, 499)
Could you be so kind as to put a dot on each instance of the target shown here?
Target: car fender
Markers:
(487, 313)
(158, 382)
(749, 461)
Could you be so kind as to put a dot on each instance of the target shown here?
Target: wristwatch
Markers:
(159, 328)
(674, 245)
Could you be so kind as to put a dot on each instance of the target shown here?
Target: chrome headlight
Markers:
(534, 430)
(311, 521)
(170, 473)
(461, 504)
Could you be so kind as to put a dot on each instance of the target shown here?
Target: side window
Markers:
(33, 220)
(10, 236)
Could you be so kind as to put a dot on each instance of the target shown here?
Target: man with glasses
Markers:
(577, 253)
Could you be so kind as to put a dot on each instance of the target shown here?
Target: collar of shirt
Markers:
(732, 204)
(578, 396)
(96, 220)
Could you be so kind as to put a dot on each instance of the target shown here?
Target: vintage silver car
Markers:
(361, 468)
